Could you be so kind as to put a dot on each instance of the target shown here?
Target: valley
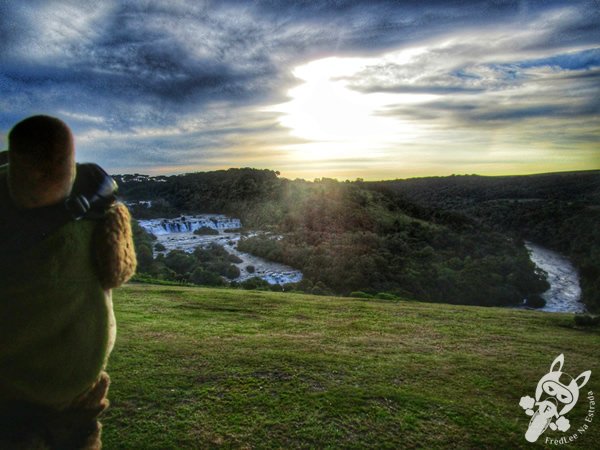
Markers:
(458, 239)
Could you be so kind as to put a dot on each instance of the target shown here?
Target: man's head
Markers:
(41, 166)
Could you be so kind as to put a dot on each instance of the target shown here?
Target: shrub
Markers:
(234, 259)
(232, 272)
(535, 301)
(206, 278)
(179, 261)
(255, 283)
(159, 247)
(587, 320)
(204, 231)
(321, 288)
(360, 294)
(144, 257)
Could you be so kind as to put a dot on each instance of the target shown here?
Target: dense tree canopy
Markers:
(453, 239)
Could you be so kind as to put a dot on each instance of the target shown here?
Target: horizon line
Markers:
(361, 179)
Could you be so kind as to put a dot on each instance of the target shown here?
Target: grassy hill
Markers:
(209, 368)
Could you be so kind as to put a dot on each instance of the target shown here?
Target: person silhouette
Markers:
(66, 244)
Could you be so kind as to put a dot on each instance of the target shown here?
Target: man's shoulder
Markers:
(5, 201)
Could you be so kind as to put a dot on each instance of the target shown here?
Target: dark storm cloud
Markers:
(146, 50)
(131, 63)
(365, 27)
(191, 52)
(579, 27)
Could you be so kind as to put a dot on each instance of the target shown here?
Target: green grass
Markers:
(210, 368)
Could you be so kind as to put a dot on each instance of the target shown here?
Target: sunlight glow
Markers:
(339, 122)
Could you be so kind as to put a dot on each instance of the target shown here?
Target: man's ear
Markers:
(559, 361)
(583, 378)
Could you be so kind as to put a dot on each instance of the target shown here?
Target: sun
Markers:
(336, 121)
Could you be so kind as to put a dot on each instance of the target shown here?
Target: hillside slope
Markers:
(558, 210)
(344, 238)
(198, 368)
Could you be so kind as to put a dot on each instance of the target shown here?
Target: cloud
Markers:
(476, 97)
(183, 83)
(136, 55)
(475, 83)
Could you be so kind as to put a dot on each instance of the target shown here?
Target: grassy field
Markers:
(210, 368)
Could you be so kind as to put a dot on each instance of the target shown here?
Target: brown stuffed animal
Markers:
(57, 269)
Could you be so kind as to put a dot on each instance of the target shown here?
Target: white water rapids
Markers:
(178, 234)
(564, 294)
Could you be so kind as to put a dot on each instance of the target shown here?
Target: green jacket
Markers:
(56, 321)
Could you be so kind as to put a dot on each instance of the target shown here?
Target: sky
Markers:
(340, 89)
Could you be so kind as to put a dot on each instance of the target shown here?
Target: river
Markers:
(564, 294)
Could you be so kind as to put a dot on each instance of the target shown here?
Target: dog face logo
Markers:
(556, 394)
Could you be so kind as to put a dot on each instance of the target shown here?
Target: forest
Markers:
(559, 210)
(450, 239)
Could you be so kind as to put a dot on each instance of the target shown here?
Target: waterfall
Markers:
(188, 225)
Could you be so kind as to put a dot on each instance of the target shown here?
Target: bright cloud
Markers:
(370, 89)
(476, 99)
(337, 121)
